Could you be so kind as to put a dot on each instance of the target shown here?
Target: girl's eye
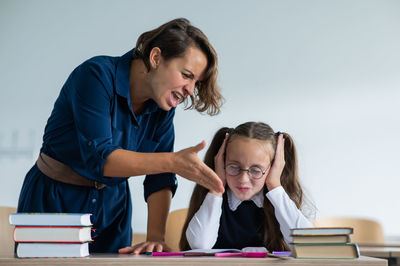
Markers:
(186, 76)
(255, 171)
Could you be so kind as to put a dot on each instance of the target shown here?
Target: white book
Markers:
(52, 234)
(55, 219)
(37, 250)
(322, 231)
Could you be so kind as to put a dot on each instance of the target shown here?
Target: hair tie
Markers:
(230, 130)
(278, 133)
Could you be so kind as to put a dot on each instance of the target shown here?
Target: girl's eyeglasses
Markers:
(254, 172)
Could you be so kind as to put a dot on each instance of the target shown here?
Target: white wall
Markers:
(328, 72)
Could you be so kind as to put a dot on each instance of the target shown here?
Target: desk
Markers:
(124, 259)
(388, 252)
(380, 251)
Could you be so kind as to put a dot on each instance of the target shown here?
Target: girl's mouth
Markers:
(243, 189)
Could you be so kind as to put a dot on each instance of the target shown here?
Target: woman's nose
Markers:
(189, 88)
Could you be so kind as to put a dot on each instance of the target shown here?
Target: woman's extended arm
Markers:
(186, 163)
(158, 204)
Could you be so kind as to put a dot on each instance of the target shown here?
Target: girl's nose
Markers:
(244, 175)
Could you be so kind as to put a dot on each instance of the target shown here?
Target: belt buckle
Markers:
(98, 185)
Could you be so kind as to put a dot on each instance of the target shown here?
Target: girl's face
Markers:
(175, 79)
(244, 153)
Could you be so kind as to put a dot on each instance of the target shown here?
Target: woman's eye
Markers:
(186, 76)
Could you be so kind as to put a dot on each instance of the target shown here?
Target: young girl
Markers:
(262, 198)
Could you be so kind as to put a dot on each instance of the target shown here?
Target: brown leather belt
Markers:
(60, 172)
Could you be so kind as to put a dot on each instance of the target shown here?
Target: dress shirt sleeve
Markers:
(286, 212)
(165, 138)
(202, 231)
(91, 98)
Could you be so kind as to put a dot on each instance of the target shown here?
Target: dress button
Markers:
(94, 200)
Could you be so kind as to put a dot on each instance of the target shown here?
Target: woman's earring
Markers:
(156, 64)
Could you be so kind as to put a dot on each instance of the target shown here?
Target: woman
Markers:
(114, 119)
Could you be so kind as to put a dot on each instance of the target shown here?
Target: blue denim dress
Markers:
(92, 117)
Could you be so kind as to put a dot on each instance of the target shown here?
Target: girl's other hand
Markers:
(273, 179)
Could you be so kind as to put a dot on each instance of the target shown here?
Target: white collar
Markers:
(234, 202)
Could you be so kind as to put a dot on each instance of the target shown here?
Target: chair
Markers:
(173, 232)
(138, 238)
(6, 230)
(365, 231)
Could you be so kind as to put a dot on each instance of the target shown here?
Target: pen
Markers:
(228, 254)
(195, 254)
(166, 253)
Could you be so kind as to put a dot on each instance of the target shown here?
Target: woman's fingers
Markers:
(136, 249)
(189, 166)
(210, 180)
(140, 248)
(125, 250)
(158, 248)
(143, 247)
(199, 146)
(150, 247)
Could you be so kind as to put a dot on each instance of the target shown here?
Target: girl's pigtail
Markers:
(290, 175)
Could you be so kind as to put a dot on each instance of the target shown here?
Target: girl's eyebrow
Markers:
(236, 162)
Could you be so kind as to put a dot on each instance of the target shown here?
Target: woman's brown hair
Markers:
(273, 238)
(174, 38)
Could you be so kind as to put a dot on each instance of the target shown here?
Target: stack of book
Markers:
(51, 234)
(323, 242)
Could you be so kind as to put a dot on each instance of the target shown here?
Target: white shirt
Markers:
(202, 231)
(234, 202)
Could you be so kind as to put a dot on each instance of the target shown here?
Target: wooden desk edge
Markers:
(116, 259)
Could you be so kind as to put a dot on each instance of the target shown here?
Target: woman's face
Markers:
(246, 152)
(173, 80)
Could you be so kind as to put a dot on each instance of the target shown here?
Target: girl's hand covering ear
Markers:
(273, 179)
(219, 163)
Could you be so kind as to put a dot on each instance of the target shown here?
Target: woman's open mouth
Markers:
(176, 98)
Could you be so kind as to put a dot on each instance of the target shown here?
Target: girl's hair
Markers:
(174, 38)
(273, 238)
